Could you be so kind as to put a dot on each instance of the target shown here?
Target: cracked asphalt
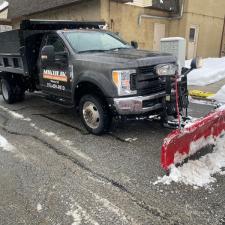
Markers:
(58, 174)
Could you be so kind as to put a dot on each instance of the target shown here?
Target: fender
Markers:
(98, 79)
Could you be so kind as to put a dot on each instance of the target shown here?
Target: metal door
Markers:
(193, 41)
(159, 33)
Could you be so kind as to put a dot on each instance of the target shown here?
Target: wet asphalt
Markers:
(58, 174)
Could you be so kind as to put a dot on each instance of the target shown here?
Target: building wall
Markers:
(87, 10)
(123, 18)
(208, 15)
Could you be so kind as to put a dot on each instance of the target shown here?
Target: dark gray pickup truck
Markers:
(78, 65)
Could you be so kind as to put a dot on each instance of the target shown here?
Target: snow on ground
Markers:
(220, 95)
(213, 70)
(80, 216)
(5, 145)
(199, 173)
(67, 143)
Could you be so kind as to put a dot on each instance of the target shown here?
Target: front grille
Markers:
(147, 69)
(146, 81)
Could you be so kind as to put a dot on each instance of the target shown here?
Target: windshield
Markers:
(85, 41)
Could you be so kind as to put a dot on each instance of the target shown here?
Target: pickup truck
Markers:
(79, 65)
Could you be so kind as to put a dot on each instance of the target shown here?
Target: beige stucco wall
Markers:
(87, 10)
(123, 18)
(208, 15)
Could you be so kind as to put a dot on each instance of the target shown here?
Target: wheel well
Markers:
(84, 88)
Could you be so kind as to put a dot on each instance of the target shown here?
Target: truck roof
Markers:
(59, 24)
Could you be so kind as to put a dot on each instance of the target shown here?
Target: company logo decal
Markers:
(55, 75)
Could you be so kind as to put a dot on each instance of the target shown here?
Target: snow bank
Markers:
(213, 70)
(220, 95)
(199, 173)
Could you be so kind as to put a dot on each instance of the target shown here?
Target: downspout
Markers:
(222, 39)
(178, 17)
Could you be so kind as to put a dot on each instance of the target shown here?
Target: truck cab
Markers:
(95, 71)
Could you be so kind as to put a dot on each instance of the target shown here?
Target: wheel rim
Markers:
(5, 92)
(91, 115)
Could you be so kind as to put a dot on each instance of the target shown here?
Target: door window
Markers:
(192, 35)
(56, 41)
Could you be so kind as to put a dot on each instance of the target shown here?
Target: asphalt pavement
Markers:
(56, 173)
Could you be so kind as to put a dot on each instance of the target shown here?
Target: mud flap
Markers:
(183, 143)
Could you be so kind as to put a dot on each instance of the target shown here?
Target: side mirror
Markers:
(47, 55)
(134, 44)
(196, 63)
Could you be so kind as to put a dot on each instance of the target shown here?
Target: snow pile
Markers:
(213, 70)
(5, 145)
(220, 95)
(199, 173)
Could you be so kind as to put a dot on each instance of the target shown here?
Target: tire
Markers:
(7, 91)
(12, 92)
(94, 114)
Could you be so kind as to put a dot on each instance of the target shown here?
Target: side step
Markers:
(56, 100)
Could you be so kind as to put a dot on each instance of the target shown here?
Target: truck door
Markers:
(54, 75)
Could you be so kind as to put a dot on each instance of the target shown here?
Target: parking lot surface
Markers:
(54, 172)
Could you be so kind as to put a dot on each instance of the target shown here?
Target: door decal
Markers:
(55, 75)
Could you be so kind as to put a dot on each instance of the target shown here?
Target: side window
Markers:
(56, 42)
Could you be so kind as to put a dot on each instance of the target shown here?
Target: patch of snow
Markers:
(131, 139)
(199, 173)
(39, 207)
(80, 215)
(126, 219)
(5, 145)
(4, 5)
(14, 114)
(220, 95)
(201, 102)
(213, 70)
(67, 143)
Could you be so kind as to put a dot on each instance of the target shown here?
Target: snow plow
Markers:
(184, 142)
(190, 137)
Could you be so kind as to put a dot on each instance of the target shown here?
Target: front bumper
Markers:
(139, 104)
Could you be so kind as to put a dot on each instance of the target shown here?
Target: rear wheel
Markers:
(94, 114)
(11, 91)
(7, 91)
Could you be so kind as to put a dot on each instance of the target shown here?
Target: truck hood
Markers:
(127, 58)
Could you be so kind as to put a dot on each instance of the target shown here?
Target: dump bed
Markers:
(10, 57)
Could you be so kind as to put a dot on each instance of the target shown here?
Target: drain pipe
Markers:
(181, 11)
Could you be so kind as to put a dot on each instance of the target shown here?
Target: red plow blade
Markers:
(182, 143)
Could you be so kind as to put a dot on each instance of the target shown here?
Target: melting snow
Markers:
(213, 70)
(39, 207)
(220, 95)
(79, 215)
(5, 145)
(199, 173)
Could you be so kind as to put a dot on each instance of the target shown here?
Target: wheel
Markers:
(94, 114)
(12, 92)
(7, 91)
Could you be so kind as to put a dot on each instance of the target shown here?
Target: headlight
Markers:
(166, 69)
(121, 79)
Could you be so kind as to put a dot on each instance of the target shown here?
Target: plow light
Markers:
(166, 69)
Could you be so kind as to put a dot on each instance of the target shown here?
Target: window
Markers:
(56, 41)
(82, 41)
(192, 35)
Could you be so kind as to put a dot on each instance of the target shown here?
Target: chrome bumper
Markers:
(134, 105)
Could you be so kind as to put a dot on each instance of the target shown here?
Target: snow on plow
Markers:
(183, 143)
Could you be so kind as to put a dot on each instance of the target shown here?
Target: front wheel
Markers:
(94, 114)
